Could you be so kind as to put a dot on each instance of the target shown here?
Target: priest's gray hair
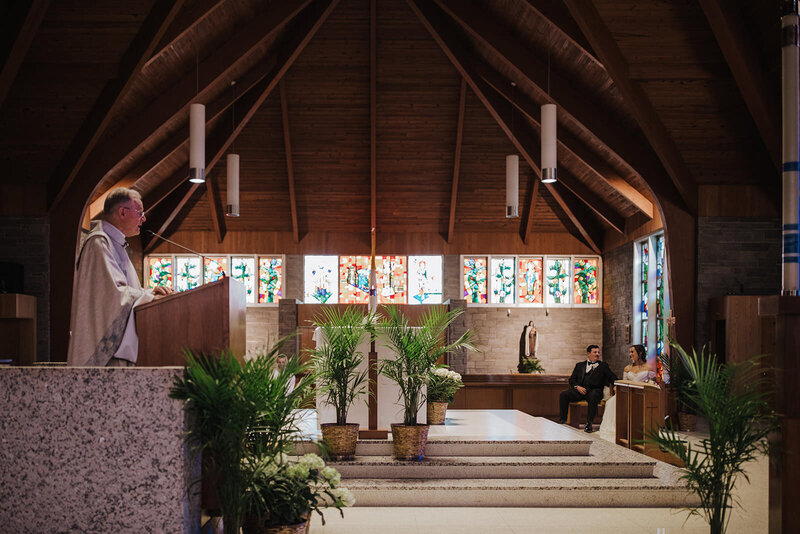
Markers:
(119, 196)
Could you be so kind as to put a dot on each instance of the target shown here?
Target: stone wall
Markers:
(262, 328)
(95, 449)
(617, 306)
(564, 334)
(735, 256)
(25, 240)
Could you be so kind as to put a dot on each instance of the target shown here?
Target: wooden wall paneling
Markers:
(23, 18)
(741, 58)
(527, 216)
(587, 17)
(112, 96)
(215, 205)
(590, 232)
(287, 143)
(373, 139)
(462, 102)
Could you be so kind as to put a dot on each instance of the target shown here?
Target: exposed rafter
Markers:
(287, 144)
(303, 31)
(527, 216)
(462, 104)
(108, 103)
(571, 205)
(161, 217)
(628, 146)
(27, 16)
(570, 144)
(188, 18)
(555, 12)
(499, 109)
(587, 17)
(215, 206)
(150, 163)
(741, 58)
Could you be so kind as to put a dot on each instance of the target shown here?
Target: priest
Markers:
(107, 287)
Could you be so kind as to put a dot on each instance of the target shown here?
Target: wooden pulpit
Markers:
(208, 319)
(640, 408)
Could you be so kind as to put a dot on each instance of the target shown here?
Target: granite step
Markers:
(651, 492)
(493, 467)
(465, 447)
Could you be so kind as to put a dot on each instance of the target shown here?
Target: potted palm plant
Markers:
(239, 411)
(341, 374)
(733, 399)
(442, 386)
(416, 349)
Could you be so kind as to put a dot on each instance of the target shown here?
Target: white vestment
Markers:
(105, 292)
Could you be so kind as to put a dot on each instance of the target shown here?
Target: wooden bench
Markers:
(577, 416)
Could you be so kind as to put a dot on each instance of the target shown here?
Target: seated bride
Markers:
(637, 371)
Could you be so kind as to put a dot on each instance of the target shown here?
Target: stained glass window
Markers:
(529, 281)
(187, 274)
(425, 279)
(354, 279)
(644, 266)
(503, 280)
(159, 269)
(321, 280)
(660, 319)
(557, 276)
(475, 280)
(214, 267)
(243, 269)
(391, 277)
(584, 281)
(270, 279)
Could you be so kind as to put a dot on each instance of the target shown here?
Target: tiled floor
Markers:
(750, 518)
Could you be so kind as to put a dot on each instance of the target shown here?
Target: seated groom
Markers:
(586, 383)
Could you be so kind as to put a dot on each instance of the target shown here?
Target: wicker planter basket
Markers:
(409, 441)
(437, 412)
(687, 421)
(253, 526)
(340, 440)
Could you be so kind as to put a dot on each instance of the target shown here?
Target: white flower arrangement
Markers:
(443, 384)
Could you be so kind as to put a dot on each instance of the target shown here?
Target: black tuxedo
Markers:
(594, 382)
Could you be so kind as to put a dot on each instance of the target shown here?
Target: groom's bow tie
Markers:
(590, 365)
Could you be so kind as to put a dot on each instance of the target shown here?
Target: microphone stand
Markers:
(187, 249)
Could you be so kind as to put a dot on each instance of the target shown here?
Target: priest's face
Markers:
(131, 217)
(593, 355)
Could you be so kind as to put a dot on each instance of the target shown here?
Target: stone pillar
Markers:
(287, 323)
(458, 360)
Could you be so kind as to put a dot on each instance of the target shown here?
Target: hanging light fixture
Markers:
(512, 186)
(197, 143)
(232, 209)
(549, 160)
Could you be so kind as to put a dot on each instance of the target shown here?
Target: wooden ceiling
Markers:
(654, 99)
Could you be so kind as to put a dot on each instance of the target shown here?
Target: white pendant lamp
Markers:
(549, 160)
(233, 186)
(197, 143)
(512, 186)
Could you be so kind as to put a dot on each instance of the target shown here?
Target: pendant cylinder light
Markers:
(197, 143)
(512, 186)
(233, 186)
(549, 160)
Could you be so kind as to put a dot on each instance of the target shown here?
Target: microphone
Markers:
(187, 249)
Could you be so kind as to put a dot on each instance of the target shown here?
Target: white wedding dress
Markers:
(608, 427)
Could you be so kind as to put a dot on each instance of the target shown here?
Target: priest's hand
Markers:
(581, 390)
(161, 291)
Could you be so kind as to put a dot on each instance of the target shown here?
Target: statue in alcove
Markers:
(528, 345)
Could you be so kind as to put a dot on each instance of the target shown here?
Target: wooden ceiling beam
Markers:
(188, 19)
(500, 110)
(215, 206)
(462, 104)
(108, 103)
(527, 217)
(373, 123)
(161, 217)
(18, 30)
(570, 144)
(593, 27)
(287, 143)
(570, 204)
(741, 58)
(141, 172)
(216, 68)
(300, 35)
(554, 12)
(597, 122)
